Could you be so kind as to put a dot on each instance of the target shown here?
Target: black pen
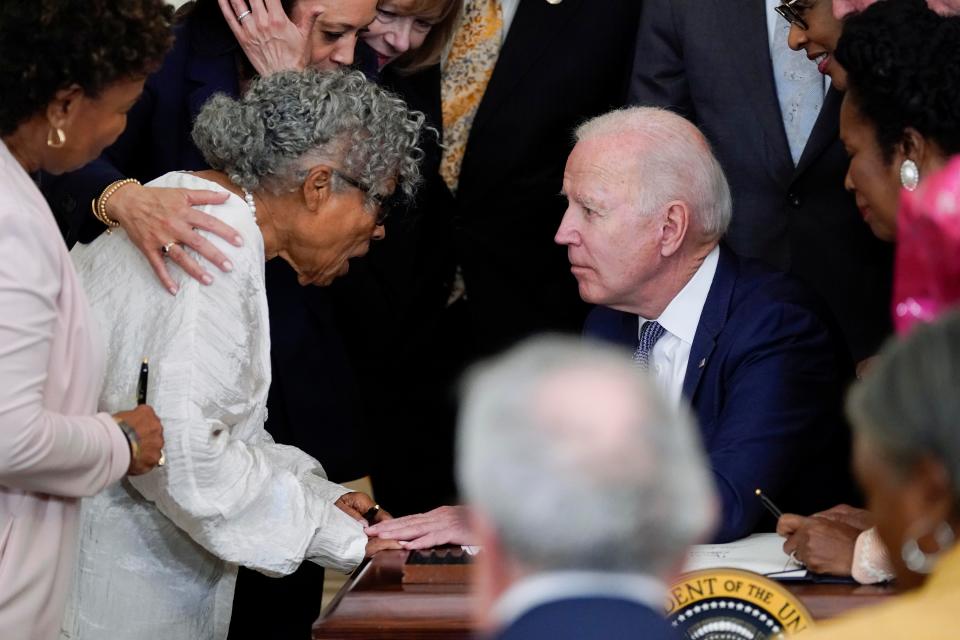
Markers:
(142, 383)
(142, 397)
(768, 503)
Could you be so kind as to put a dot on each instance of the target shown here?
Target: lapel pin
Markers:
(703, 363)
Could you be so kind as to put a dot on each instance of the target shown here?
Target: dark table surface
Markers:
(374, 604)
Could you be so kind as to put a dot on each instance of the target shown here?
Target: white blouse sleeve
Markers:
(871, 562)
(243, 497)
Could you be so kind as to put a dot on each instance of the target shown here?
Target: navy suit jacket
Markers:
(314, 401)
(584, 618)
(766, 378)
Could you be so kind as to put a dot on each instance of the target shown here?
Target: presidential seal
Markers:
(728, 604)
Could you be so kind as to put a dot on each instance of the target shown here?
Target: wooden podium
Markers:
(375, 604)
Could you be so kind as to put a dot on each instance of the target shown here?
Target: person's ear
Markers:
(318, 186)
(925, 153)
(63, 107)
(676, 222)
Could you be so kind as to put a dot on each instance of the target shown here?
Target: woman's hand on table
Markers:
(154, 217)
(444, 525)
(149, 430)
(821, 544)
(270, 40)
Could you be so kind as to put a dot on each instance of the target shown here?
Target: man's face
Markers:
(613, 248)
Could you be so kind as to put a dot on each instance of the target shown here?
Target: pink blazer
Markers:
(53, 449)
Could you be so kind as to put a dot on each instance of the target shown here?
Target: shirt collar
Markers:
(682, 315)
(538, 589)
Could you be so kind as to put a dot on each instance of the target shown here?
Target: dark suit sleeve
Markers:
(779, 414)
(659, 76)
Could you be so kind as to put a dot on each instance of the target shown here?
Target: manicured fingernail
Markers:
(237, 240)
(207, 278)
(173, 290)
(227, 265)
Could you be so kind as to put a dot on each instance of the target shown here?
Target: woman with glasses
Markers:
(815, 30)
(302, 161)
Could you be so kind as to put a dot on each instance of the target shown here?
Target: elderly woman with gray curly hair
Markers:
(308, 159)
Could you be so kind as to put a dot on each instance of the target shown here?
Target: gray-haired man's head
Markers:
(578, 463)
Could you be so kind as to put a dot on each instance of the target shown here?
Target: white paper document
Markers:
(761, 553)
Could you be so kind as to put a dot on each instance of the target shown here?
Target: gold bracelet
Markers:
(99, 206)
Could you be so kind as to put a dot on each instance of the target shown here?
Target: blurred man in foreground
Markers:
(586, 488)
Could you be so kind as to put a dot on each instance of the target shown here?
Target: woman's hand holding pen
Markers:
(823, 544)
(149, 432)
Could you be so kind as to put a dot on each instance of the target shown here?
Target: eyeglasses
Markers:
(791, 13)
(384, 203)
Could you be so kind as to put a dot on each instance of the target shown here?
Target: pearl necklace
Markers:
(250, 203)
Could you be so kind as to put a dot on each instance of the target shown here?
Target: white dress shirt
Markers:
(159, 552)
(542, 588)
(668, 360)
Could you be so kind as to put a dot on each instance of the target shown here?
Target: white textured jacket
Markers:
(158, 553)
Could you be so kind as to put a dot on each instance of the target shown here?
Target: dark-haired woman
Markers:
(69, 72)
(900, 118)
(900, 122)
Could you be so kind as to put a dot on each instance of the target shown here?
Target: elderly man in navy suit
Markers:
(750, 348)
(587, 486)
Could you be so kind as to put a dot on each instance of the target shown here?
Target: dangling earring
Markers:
(909, 175)
(56, 138)
(920, 562)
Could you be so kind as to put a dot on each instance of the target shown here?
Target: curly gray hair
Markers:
(291, 121)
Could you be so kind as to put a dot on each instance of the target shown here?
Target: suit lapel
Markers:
(712, 319)
(749, 42)
(824, 133)
(536, 24)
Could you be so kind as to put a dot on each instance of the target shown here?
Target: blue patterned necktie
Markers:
(649, 334)
(799, 90)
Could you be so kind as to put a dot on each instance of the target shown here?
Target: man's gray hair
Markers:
(908, 404)
(674, 162)
(289, 122)
(579, 462)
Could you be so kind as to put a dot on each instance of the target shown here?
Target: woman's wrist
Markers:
(132, 439)
(109, 206)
